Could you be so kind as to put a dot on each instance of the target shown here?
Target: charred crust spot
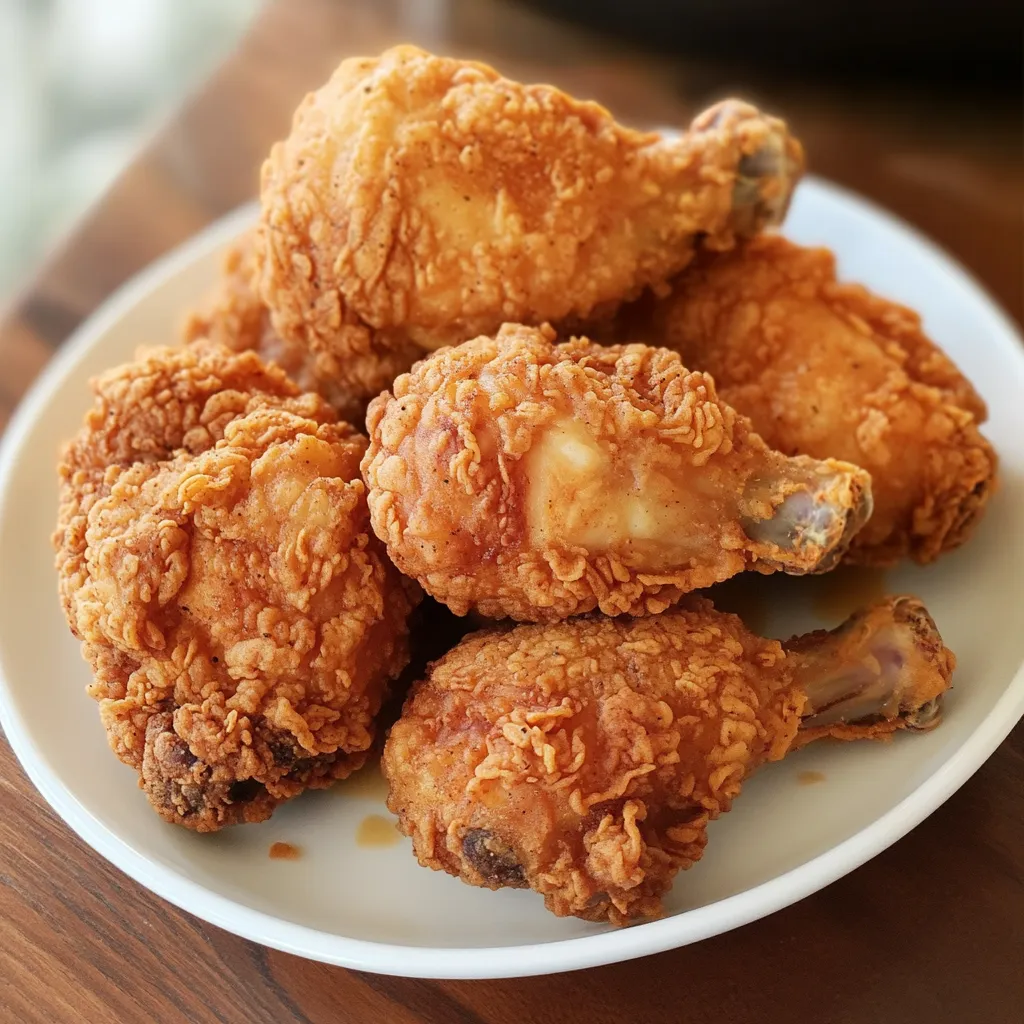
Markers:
(170, 754)
(598, 812)
(305, 767)
(244, 790)
(296, 763)
(282, 751)
(492, 858)
(189, 797)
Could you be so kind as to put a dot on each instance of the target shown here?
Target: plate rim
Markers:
(484, 961)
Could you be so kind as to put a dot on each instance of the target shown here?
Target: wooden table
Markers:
(930, 931)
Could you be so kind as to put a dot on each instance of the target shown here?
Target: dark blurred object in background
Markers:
(967, 44)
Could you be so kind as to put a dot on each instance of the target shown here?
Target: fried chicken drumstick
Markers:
(830, 370)
(428, 199)
(525, 479)
(214, 554)
(585, 759)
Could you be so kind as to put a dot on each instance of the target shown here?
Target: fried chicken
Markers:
(428, 199)
(525, 479)
(233, 315)
(830, 370)
(215, 558)
(585, 759)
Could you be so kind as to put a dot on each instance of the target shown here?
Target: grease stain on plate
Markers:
(376, 830)
(285, 851)
(810, 778)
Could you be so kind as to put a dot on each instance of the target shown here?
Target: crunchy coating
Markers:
(233, 315)
(585, 759)
(433, 200)
(215, 558)
(538, 481)
(829, 370)
(146, 411)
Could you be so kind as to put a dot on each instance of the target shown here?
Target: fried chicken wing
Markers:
(233, 315)
(830, 370)
(432, 200)
(521, 478)
(214, 554)
(585, 759)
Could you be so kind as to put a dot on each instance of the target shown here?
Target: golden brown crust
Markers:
(584, 759)
(830, 370)
(146, 411)
(431, 200)
(215, 559)
(465, 490)
(233, 315)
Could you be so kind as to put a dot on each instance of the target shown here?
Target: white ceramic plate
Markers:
(374, 908)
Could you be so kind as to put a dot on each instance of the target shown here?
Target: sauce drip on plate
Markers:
(810, 778)
(376, 830)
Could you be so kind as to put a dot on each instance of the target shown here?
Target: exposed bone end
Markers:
(885, 668)
(765, 180)
(803, 520)
(766, 174)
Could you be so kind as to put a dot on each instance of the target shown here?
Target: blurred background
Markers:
(929, 92)
(82, 84)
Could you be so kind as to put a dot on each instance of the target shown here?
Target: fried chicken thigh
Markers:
(830, 370)
(214, 553)
(525, 479)
(429, 199)
(233, 315)
(585, 759)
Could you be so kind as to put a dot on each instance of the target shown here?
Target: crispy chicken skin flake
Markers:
(519, 478)
(827, 369)
(585, 759)
(426, 199)
(215, 558)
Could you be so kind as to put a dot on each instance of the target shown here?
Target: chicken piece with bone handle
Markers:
(827, 369)
(425, 199)
(585, 759)
(518, 478)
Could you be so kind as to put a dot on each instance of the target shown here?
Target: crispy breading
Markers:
(233, 315)
(215, 558)
(585, 759)
(432, 200)
(521, 478)
(829, 370)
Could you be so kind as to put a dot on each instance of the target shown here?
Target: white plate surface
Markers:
(375, 909)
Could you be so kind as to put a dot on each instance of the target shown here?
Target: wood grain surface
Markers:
(930, 931)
